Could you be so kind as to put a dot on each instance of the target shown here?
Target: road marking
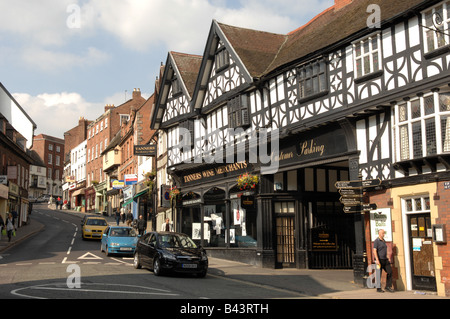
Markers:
(24, 264)
(68, 262)
(90, 256)
(49, 263)
(68, 252)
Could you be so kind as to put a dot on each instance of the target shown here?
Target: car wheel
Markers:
(202, 274)
(137, 261)
(157, 267)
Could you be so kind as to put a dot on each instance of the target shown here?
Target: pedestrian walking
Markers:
(10, 228)
(141, 225)
(380, 252)
(129, 218)
(167, 226)
(2, 225)
(117, 214)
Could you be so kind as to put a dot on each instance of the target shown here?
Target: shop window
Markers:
(278, 182)
(292, 181)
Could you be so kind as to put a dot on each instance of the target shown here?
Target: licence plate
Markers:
(126, 248)
(189, 265)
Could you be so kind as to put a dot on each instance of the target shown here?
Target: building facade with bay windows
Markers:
(336, 101)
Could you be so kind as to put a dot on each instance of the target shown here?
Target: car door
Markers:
(152, 252)
(105, 237)
(143, 249)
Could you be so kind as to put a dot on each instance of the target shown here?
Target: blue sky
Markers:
(62, 59)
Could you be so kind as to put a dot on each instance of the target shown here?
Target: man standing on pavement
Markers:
(380, 252)
(141, 225)
(129, 218)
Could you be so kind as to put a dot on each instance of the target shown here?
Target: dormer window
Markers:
(176, 87)
(222, 59)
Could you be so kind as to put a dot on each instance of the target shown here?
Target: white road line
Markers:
(24, 264)
(48, 263)
(73, 240)
(68, 252)
(68, 262)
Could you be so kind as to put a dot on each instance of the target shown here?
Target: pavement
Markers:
(299, 283)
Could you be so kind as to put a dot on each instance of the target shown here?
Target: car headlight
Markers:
(204, 257)
(87, 230)
(168, 256)
(115, 244)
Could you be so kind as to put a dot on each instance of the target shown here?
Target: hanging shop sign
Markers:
(131, 179)
(118, 184)
(145, 150)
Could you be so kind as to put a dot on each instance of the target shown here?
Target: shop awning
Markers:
(141, 193)
(127, 202)
(78, 192)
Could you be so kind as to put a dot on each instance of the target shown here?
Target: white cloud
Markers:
(57, 113)
(57, 61)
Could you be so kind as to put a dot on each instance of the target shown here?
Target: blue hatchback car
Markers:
(119, 240)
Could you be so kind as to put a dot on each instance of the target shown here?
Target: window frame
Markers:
(236, 107)
(433, 29)
(407, 120)
(372, 72)
(303, 80)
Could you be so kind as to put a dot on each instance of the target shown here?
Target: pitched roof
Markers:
(264, 52)
(188, 66)
(256, 49)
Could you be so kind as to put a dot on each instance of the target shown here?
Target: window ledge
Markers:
(437, 52)
(369, 76)
(313, 96)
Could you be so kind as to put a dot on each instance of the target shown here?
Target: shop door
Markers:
(285, 234)
(422, 256)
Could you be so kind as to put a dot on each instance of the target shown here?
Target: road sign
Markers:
(360, 208)
(350, 201)
(350, 192)
(358, 184)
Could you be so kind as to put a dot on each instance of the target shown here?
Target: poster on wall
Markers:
(238, 212)
(381, 219)
(196, 231)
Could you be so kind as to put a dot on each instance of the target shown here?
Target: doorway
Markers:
(421, 254)
(285, 230)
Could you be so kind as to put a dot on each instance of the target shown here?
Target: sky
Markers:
(63, 59)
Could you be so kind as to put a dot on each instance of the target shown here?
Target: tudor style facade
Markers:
(347, 100)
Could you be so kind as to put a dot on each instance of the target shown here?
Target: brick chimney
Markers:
(136, 93)
(339, 4)
(108, 107)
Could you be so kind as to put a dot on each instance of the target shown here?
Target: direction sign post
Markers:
(352, 195)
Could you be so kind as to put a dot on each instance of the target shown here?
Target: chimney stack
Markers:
(136, 93)
(108, 107)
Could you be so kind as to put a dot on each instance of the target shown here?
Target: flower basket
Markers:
(247, 181)
(174, 192)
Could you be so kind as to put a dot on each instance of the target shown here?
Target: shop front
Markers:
(417, 234)
(218, 214)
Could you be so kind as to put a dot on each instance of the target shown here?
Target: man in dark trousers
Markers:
(141, 225)
(381, 259)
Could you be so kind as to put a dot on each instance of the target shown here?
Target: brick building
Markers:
(99, 134)
(51, 151)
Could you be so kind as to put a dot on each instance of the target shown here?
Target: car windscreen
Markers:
(122, 232)
(96, 222)
(176, 241)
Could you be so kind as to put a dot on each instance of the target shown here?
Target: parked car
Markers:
(93, 227)
(170, 252)
(119, 240)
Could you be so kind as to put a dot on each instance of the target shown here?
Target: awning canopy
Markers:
(78, 192)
